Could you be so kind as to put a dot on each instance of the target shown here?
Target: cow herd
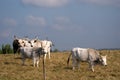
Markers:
(34, 48)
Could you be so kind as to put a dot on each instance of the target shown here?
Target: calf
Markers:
(31, 52)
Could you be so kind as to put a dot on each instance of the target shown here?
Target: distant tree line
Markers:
(6, 49)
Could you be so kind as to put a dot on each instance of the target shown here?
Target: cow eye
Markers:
(101, 60)
(35, 40)
(29, 42)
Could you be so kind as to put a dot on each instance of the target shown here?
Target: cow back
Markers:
(80, 54)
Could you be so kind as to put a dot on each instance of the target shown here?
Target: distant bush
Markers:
(55, 50)
(6, 49)
(0, 51)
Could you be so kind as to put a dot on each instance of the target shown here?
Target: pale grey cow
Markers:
(31, 52)
(92, 56)
(45, 44)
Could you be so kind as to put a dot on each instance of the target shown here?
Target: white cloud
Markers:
(62, 20)
(58, 27)
(35, 21)
(9, 22)
(46, 3)
(102, 2)
(61, 23)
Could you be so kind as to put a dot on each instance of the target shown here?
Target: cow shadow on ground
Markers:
(8, 63)
(68, 68)
(12, 62)
(17, 58)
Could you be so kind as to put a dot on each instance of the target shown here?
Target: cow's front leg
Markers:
(37, 62)
(45, 56)
(23, 61)
(91, 65)
(34, 62)
(49, 54)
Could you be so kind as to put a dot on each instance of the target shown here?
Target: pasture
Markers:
(56, 68)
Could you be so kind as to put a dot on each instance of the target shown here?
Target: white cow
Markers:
(90, 55)
(18, 42)
(47, 46)
(36, 42)
(44, 44)
(24, 43)
(31, 52)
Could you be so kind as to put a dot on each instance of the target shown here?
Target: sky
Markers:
(67, 23)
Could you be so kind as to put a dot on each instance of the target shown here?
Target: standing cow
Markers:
(44, 44)
(33, 53)
(90, 55)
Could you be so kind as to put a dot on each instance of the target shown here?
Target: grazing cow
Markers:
(31, 52)
(90, 55)
(44, 44)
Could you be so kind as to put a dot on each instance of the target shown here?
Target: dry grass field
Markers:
(56, 69)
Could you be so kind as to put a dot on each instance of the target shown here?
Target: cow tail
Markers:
(69, 58)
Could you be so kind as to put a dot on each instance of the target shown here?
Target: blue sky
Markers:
(68, 23)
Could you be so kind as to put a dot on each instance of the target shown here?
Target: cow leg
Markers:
(34, 62)
(37, 61)
(92, 68)
(74, 62)
(49, 54)
(23, 61)
(91, 65)
(78, 64)
(45, 56)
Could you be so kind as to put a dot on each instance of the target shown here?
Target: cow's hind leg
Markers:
(74, 62)
(78, 64)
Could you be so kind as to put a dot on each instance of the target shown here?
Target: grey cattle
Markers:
(92, 56)
(31, 52)
(44, 44)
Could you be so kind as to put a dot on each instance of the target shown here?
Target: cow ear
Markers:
(15, 37)
(36, 37)
(35, 40)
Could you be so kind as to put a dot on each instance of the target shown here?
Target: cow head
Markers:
(103, 60)
(24, 43)
(35, 43)
(21, 42)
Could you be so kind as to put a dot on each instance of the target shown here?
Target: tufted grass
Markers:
(56, 68)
